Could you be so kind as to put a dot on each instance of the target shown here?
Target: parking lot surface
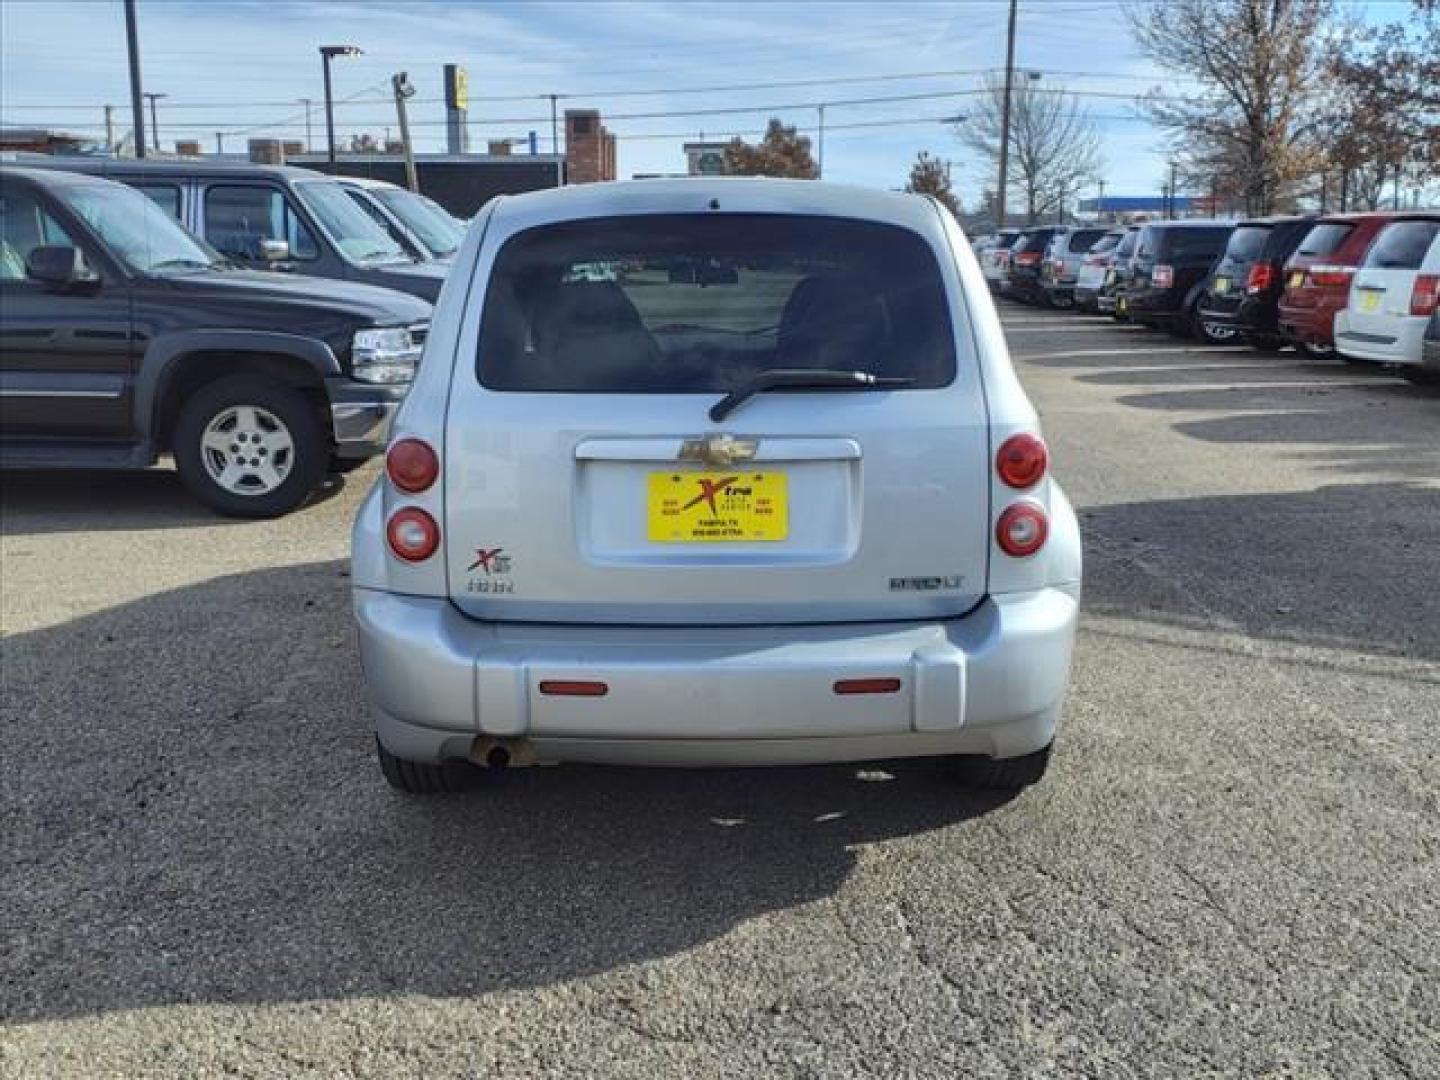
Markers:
(1230, 870)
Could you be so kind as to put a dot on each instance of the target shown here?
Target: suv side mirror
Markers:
(59, 266)
(273, 251)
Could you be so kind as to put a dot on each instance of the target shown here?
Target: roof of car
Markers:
(43, 175)
(368, 182)
(1200, 223)
(133, 166)
(699, 194)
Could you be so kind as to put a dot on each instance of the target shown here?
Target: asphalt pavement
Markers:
(1231, 869)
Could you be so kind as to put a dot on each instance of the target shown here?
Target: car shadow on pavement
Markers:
(34, 503)
(1299, 567)
(194, 815)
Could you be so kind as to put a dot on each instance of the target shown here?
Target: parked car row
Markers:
(1363, 286)
(124, 335)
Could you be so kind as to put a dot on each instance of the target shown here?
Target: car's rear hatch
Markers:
(1231, 275)
(1381, 294)
(587, 482)
(1315, 269)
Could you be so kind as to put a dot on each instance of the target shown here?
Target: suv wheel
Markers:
(250, 447)
(1003, 774)
(1316, 352)
(1212, 334)
(422, 778)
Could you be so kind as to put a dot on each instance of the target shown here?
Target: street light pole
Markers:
(1005, 120)
(328, 53)
(820, 161)
(307, 102)
(154, 122)
(137, 107)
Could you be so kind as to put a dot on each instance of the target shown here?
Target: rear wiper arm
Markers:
(802, 379)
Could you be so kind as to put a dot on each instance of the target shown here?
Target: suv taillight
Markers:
(1425, 296)
(1022, 529)
(1022, 460)
(1162, 276)
(412, 465)
(413, 534)
(1262, 276)
(1328, 276)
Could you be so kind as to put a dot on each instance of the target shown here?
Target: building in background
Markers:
(589, 148)
(46, 141)
(462, 183)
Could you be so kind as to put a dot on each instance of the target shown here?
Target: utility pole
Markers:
(405, 89)
(220, 142)
(307, 102)
(1100, 202)
(820, 159)
(110, 128)
(132, 41)
(554, 127)
(154, 123)
(1005, 119)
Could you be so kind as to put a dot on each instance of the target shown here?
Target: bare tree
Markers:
(1054, 147)
(1254, 123)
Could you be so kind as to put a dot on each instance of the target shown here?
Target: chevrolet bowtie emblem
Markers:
(719, 450)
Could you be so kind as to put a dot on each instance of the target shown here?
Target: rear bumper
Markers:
(444, 685)
(1404, 344)
(1307, 325)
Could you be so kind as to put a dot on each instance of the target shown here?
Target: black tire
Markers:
(422, 778)
(1267, 343)
(1316, 352)
(1003, 774)
(308, 458)
(1207, 335)
(1420, 376)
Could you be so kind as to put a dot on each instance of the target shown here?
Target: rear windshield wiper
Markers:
(802, 379)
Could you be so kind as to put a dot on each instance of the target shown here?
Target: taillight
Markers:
(1162, 276)
(1022, 460)
(1261, 277)
(413, 534)
(412, 465)
(1425, 296)
(1022, 529)
(1329, 276)
(1028, 258)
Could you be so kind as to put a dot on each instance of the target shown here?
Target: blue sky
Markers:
(233, 65)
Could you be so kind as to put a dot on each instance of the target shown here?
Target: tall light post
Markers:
(307, 102)
(328, 53)
(154, 123)
(1005, 120)
(137, 107)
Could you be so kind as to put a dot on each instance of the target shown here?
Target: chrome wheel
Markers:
(1220, 335)
(247, 450)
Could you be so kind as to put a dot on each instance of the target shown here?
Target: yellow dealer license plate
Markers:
(1222, 286)
(1370, 300)
(716, 507)
(1297, 278)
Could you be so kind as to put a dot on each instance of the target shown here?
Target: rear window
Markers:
(1246, 243)
(1325, 238)
(1402, 245)
(700, 303)
(1105, 243)
(1083, 239)
(1127, 244)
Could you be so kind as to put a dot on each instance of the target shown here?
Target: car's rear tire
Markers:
(1316, 352)
(1003, 774)
(423, 778)
(248, 446)
(1267, 343)
(1211, 334)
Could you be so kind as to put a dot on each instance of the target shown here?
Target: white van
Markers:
(1393, 295)
(794, 508)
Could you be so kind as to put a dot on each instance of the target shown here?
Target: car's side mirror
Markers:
(274, 251)
(59, 266)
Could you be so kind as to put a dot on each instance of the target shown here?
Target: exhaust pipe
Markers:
(501, 753)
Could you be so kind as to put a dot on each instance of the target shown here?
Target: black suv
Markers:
(123, 336)
(1242, 294)
(275, 217)
(1172, 260)
(1027, 259)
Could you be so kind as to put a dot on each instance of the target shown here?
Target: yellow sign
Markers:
(457, 87)
(1370, 300)
(717, 507)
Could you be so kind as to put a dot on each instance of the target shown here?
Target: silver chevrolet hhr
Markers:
(705, 472)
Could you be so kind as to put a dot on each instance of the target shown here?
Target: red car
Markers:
(1317, 278)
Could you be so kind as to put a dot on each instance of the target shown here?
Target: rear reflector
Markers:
(1022, 529)
(413, 534)
(412, 465)
(573, 688)
(1425, 295)
(1022, 460)
(867, 686)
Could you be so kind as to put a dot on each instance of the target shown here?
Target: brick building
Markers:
(589, 148)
